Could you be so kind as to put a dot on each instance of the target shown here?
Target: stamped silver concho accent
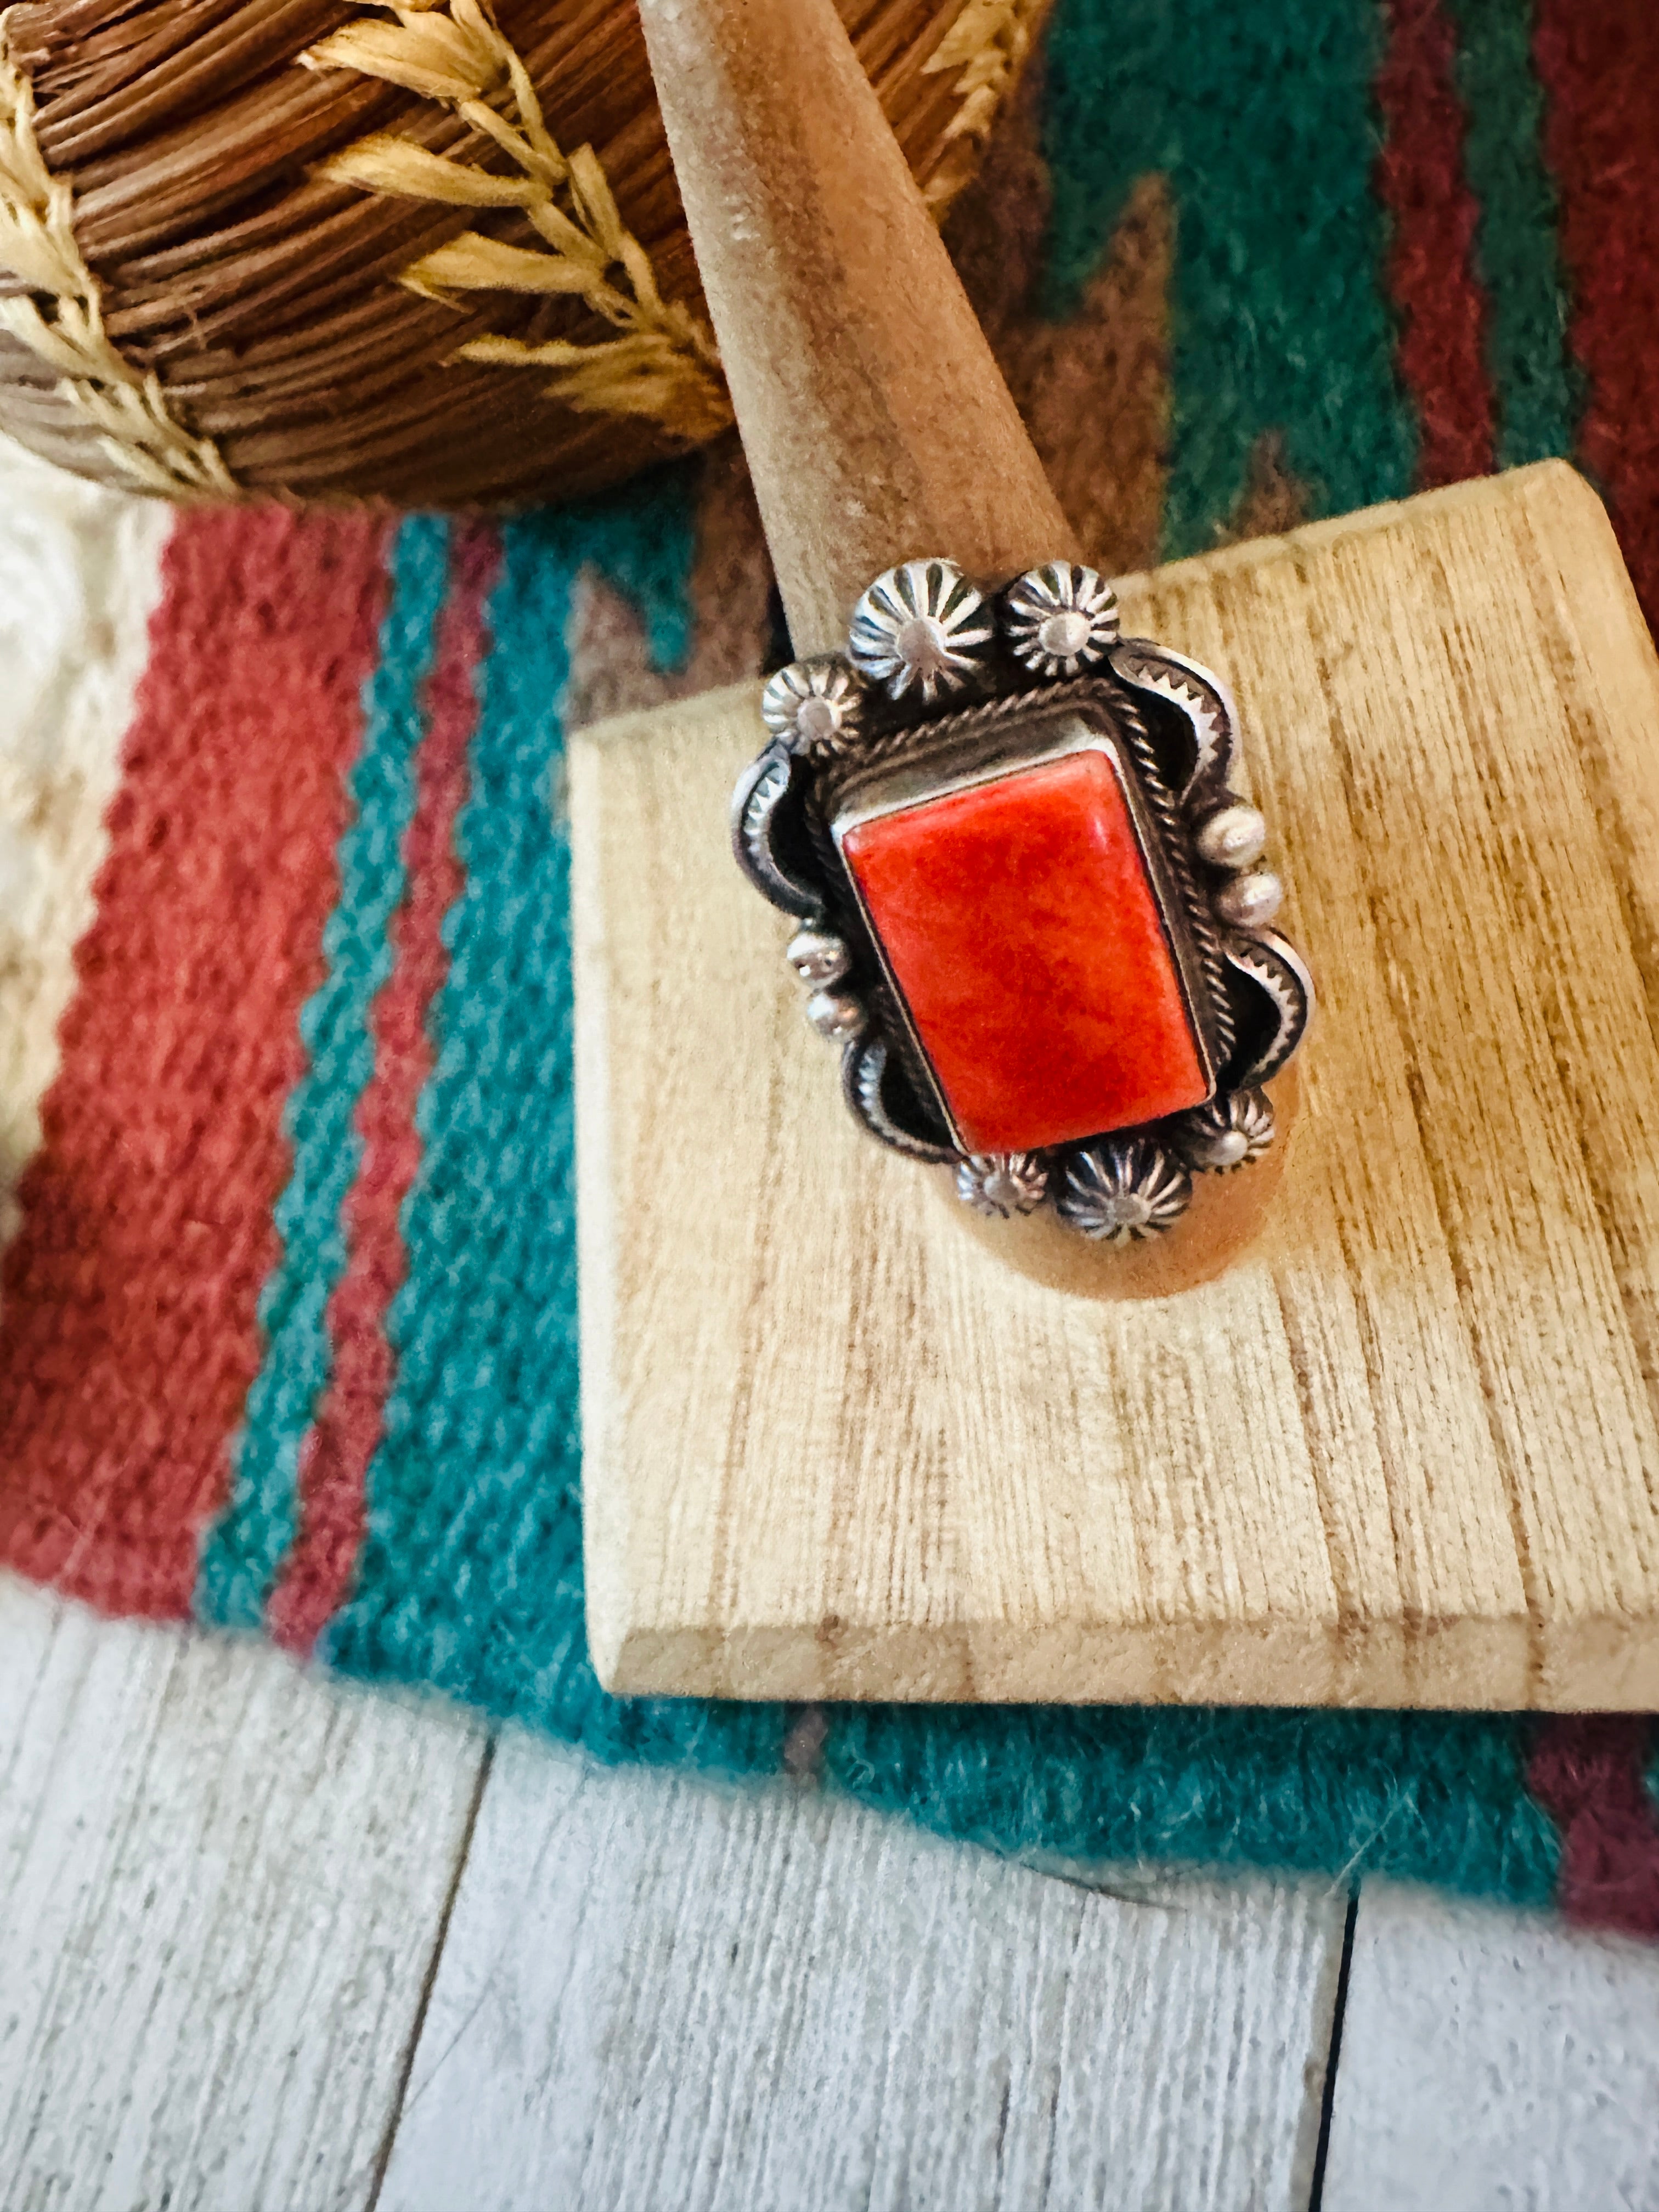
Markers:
(945, 686)
(1123, 1190)
(1060, 619)
(1003, 1184)
(1231, 1132)
(812, 705)
(921, 625)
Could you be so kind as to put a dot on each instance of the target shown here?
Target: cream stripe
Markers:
(80, 574)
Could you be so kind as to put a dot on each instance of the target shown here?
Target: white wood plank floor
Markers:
(1493, 2062)
(272, 1944)
(220, 1890)
(653, 1993)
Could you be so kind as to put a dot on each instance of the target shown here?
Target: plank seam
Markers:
(429, 1981)
(1334, 2056)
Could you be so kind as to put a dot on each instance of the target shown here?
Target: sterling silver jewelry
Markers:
(1028, 908)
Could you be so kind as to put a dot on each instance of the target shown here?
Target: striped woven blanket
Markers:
(287, 1340)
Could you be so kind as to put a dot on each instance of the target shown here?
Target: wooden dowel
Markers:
(876, 424)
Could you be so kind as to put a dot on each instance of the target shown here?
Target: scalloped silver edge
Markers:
(1271, 962)
(761, 789)
(863, 1067)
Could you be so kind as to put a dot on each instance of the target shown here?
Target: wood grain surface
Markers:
(876, 423)
(1492, 2061)
(1405, 1452)
(229, 1905)
(658, 1994)
(222, 1885)
(253, 1958)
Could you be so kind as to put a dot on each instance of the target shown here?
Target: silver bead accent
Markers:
(920, 624)
(1123, 1190)
(1060, 619)
(1231, 837)
(1231, 1132)
(835, 1015)
(1001, 1184)
(812, 705)
(817, 957)
(1249, 902)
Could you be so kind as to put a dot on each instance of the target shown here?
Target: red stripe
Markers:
(1599, 66)
(1587, 1771)
(335, 1457)
(130, 1292)
(1431, 274)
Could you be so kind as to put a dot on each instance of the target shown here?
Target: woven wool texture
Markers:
(288, 1336)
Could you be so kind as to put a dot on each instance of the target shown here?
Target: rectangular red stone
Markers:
(1020, 923)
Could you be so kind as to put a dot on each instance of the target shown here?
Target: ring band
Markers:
(1030, 908)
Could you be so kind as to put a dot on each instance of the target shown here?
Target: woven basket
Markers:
(434, 255)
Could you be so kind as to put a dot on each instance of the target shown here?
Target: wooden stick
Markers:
(876, 423)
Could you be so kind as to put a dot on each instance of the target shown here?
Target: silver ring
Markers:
(1028, 908)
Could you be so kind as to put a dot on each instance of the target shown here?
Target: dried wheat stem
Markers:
(57, 315)
(989, 43)
(665, 366)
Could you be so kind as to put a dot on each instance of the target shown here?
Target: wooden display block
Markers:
(1407, 1450)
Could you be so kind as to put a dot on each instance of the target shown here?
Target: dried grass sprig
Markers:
(665, 365)
(988, 44)
(58, 316)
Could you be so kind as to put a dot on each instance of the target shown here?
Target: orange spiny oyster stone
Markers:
(1021, 925)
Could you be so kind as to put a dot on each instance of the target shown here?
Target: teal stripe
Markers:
(1264, 121)
(471, 1572)
(1517, 255)
(244, 1550)
(1437, 1797)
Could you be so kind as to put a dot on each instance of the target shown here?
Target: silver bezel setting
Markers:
(982, 749)
(887, 732)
